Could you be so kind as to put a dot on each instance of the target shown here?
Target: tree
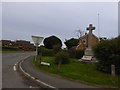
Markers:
(51, 41)
(71, 42)
(79, 32)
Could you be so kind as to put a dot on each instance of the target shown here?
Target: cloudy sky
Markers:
(20, 20)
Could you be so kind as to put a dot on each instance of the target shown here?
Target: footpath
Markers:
(47, 80)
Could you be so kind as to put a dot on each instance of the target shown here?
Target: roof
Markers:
(87, 36)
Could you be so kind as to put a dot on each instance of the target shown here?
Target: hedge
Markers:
(108, 52)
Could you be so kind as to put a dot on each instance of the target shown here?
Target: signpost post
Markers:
(37, 40)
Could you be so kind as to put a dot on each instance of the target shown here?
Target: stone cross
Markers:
(90, 28)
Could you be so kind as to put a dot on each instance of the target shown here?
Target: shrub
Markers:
(76, 53)
(63, 57)
(108, 52)
(72, 52)
(79, 54)
(56, 48)
(45, 52)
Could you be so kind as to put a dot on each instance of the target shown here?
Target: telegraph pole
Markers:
(98, 26)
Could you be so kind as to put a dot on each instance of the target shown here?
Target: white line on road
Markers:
(14, 68)
(30, 87)
(33, 87)
(34, 77)
(45, 84)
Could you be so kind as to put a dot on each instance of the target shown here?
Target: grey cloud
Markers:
(61, 19)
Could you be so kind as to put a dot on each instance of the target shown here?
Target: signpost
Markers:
(37, 40)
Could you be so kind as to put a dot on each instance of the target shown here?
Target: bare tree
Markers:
(79, 32)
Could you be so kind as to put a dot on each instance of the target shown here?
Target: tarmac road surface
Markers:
(11, 78)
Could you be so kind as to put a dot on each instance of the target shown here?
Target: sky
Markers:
(21, 20)
(119, 18)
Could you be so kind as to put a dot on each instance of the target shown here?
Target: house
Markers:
(83, 41)
(20, 44)
(7, 43)
(24, 45)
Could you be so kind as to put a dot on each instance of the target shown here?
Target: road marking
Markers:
(45, 84)
(14, 68)
(33, 87)
(34, 77)
(30, 87)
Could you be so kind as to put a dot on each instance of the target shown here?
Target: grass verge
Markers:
(79, 71)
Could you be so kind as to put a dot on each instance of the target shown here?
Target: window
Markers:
(84, 41)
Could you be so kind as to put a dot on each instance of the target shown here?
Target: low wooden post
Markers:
(40, 58)
(113, 73)
(59, 64)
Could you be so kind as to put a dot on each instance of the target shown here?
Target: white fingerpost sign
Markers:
(37, 40)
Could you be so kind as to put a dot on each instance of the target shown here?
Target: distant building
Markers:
(20, 44)
(103, 38)
(24, 45)
(7, 43)
(83, 43)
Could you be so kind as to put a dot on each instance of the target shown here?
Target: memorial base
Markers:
(88, 55)
(88, 52)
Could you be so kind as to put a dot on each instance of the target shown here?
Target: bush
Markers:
(79, 54)
(56, 48)
(72, 52)
(45, 52)
(108, 52)
(63, 57)
(76, 53)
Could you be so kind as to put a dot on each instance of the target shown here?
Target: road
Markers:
(10, 77)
